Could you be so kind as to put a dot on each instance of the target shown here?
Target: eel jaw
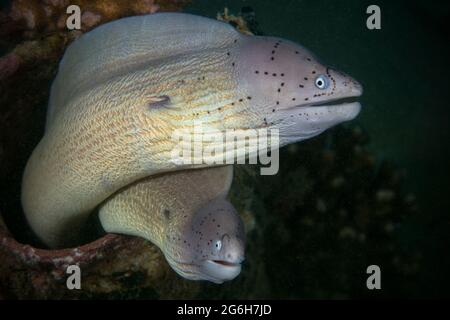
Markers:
(347, 108)
(334, 111)
(214, 270)
(308, 120)
(218, 271)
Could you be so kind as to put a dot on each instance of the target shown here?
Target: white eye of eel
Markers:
(322, 82)
(218, 245)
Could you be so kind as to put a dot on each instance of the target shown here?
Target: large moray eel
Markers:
(123, 88)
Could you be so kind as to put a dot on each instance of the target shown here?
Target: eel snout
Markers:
(228, 265)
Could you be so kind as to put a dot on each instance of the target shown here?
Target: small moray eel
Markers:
(186, 214)
(122, 90)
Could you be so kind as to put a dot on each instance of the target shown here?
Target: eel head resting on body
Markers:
(186, 214)
(120, 93)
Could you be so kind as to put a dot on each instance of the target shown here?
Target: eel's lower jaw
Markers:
(335, 110)
(332, 102)
(225, 263)
(342, 111)
(219, 271)
(306, 121)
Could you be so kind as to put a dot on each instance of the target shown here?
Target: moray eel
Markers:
(124, 87)
(186, 214)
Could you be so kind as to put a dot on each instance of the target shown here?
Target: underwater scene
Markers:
(224, 149)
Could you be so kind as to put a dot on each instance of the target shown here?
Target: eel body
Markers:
(123, 89)
(102, 131)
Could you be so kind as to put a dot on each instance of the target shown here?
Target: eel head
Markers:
(211, 246)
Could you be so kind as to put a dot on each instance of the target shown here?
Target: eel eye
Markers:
(218, 245)
(321, 82)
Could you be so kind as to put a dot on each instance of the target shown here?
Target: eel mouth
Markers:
(308, 120)
(332, 111)
(333, 102)
(219, 271)
(214, 270)
(226, 263)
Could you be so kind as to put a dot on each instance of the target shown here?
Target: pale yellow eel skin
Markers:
(123, 88)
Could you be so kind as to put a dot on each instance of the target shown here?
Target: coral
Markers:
(44, 16)
(38, 30)
(236, 21)
(245, 21)
(113, 266)
(135, 265)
